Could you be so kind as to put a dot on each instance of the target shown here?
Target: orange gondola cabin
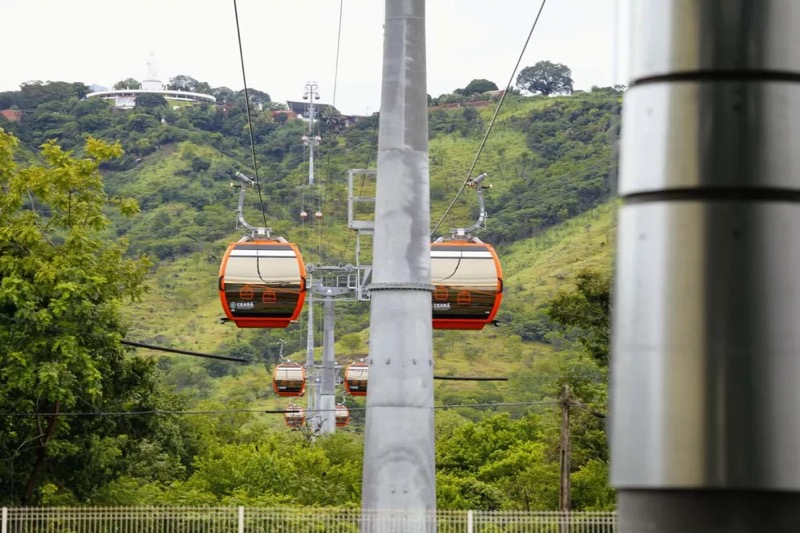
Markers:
(294, 416)
(356, 376)
(468, 284)
(289, 379)
(262, 283)
(342, 415)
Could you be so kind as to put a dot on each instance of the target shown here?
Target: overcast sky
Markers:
(289, 42)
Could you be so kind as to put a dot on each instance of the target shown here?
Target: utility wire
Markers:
(330, 131)
(473, 378)
(249, 118)
(491, 124)
(184, 352)
(262, 411)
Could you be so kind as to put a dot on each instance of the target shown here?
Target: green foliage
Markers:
(550, 162)
(568, 170)
(128, 83)
(61, 285)
(150, 101)
(587, 308)
(477, 86)
(546, 78)
(187, 83)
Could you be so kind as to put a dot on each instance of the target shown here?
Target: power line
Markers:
(474, 378)
(330, 131)
(257, 411)
(249, 118)
(184, 352)
(491, 124)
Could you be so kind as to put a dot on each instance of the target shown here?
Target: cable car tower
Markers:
(466, 274)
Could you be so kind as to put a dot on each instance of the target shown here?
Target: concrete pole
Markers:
(327, 399)
(310, 356)
(564, 493)
(706, 352)
(311, 145)
(399, 470)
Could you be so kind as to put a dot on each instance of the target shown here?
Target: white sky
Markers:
(289, 42)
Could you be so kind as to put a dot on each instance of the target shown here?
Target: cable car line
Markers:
(470, 378)
(183, 352)
(249, 118)
(259, 411)
(330, 129)
(491, 123)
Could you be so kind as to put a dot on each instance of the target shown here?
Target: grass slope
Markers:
(535, 270)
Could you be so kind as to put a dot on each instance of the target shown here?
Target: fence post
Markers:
(4, 521)
(241, 520)
(469, 521)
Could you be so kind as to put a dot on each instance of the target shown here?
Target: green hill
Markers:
(550, 162)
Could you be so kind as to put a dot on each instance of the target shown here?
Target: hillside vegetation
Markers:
(550, 162)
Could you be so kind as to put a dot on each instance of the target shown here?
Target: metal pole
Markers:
(310, 358)
(311, 139)
(399, 471)
(564, 496)
(705, 354)
(311, 145)
(327, 403)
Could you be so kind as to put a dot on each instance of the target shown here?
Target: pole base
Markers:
(707, 511)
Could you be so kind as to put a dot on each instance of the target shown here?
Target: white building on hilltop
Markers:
(126, 98)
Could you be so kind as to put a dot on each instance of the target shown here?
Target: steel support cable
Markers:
(183, 352)
(330, 130)
(261, 411)
(491, 123)
(249, 118)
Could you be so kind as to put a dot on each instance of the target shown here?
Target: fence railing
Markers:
(293, 520)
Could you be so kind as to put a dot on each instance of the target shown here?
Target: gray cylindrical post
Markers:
(705, 355)
(399, 471)
(327, 395)
(310, 357)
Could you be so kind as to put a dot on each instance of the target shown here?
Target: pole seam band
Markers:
(734, 75)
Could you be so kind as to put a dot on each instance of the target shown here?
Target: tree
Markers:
(587, 308)
(189, 84)
(61, 283)
(477, 87)
(546, 78)
(129, 83)
(223, 94)
(150, 101)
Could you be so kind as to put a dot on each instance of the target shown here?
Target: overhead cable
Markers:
(249, 118)
(491, 124)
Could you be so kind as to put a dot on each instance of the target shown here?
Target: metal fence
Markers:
(292, 520)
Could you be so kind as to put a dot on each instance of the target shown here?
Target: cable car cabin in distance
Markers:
(294, 416)
(356, 376)
(342, 416)
(262, 283)
(468, 284)
(289, 379)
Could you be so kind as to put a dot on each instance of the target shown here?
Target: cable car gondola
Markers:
(294, 416)
(466, 275)
(468, 284)
(356, 376)
(289, 379)
(342, 416)
(262, 283)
